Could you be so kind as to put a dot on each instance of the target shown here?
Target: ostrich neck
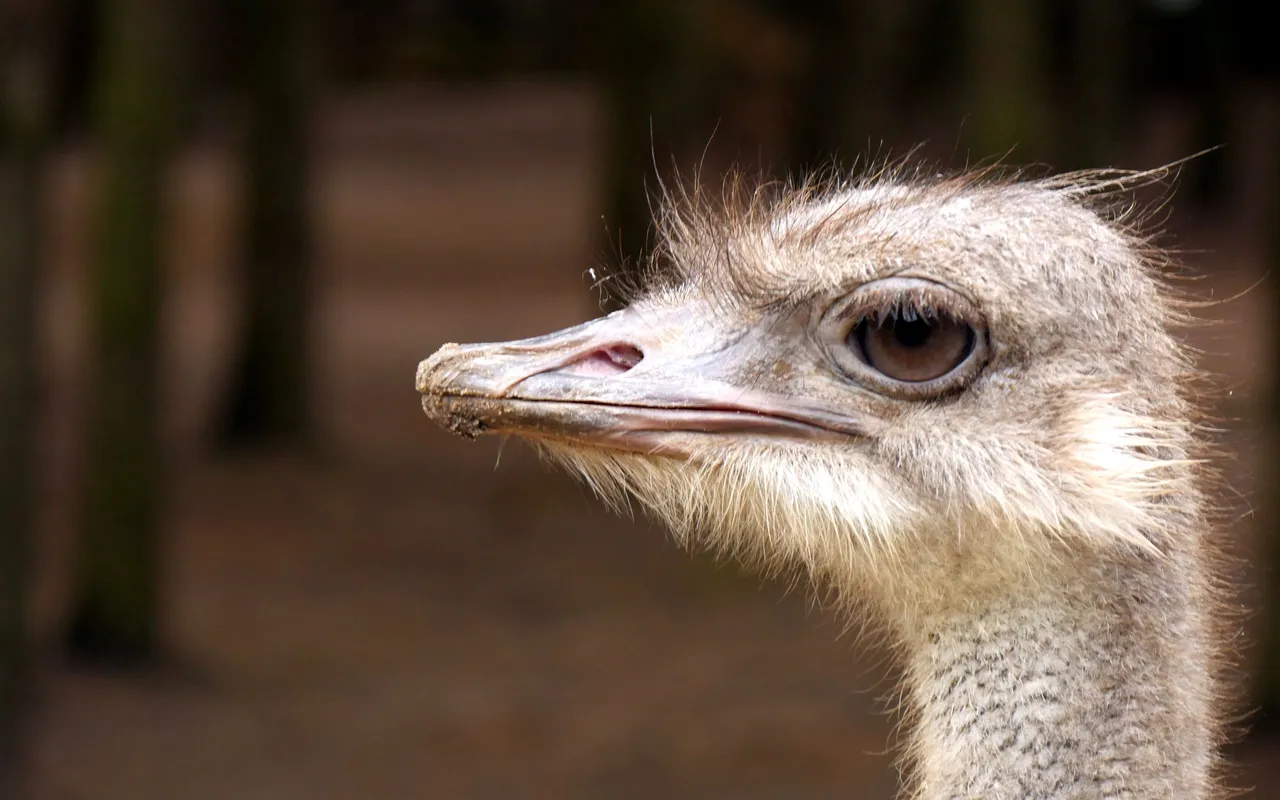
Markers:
(1061, 692)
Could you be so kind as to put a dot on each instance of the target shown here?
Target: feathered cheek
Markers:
(936, 473)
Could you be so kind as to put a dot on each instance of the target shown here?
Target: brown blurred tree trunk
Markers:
(24, 62)
(1101, 68)
(643, 47)
(1213, 94)
(844, 105)
(116, 604)
(827, 98)
(271, 386)
(1003, 43)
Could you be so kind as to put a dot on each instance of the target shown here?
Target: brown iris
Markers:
(909, 345)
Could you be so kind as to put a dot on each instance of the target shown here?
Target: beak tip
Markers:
(423, 379)
(432, 380)
(444, 412)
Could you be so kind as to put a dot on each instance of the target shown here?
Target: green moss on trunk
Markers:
(1005, 75)
(269, 397)
(116, 601)
(1100, 56)
(650, 61)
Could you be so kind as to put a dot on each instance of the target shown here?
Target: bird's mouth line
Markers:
(648, 428)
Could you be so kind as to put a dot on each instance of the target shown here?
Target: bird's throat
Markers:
(1051, 694)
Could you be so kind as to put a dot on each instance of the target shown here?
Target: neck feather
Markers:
(1061, 692)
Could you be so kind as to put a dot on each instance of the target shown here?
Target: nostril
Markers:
(624, 355)
(605, 361)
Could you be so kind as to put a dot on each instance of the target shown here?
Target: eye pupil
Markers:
(912, 333)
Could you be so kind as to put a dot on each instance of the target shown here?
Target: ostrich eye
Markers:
(906, 337)
(911, 346)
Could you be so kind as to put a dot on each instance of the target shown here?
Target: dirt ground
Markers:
(403, 615)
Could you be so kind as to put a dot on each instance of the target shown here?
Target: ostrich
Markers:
(956, 404)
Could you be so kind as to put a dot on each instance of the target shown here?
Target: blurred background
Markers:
(237, 561)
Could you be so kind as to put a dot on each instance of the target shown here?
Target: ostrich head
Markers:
(957, 402)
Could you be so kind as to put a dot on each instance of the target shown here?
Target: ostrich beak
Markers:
(635, 380)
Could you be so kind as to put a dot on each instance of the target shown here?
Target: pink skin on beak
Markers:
(636, 380)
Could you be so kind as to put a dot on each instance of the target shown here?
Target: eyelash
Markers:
(877, 307)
